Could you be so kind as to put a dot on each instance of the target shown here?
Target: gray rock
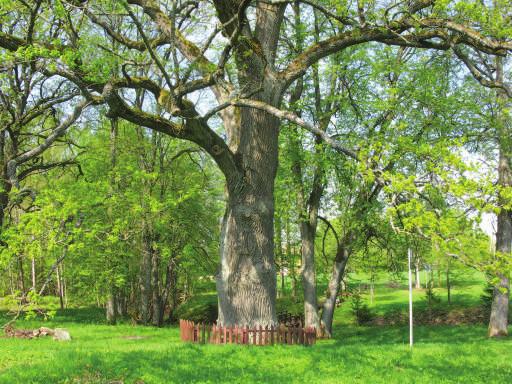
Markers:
(61, 335)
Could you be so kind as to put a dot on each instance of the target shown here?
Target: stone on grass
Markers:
(61, 335)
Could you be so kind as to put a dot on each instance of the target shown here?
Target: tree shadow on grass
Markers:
(347, 360)
(379, 335)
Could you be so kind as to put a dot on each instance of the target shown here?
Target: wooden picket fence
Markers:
(213, 334)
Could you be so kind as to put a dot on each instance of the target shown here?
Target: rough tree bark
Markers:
(246, 281)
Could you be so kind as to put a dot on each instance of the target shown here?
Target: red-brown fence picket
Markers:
(215, 334)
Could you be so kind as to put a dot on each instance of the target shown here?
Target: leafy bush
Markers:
(202, 308)
(289, 309)
(360, 310)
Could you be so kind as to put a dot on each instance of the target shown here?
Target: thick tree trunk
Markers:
(246, 281)
(338, 271)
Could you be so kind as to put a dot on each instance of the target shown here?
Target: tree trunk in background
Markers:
(145, 276)
(418, 275)
(169, 292)
(290, 256)
(173, 299)
(34, 274)
(333, 289)
(280, 254)
(122, 303)
(12, 283)
(158, 306)
(311, 318)
(111, 305)
(111, 308)
(60, 289)
(21, 276)
(448, 284)
(498, 322)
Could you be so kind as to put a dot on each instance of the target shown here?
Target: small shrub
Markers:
(289, 310)
(430, 295)
(360, 310)
(199, 309)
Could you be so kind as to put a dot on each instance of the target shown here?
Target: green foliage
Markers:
(360, 309)
(288, 308)
(487, 297)
(431, 296)
(200, 308)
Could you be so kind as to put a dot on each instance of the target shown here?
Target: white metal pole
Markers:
(409, 257)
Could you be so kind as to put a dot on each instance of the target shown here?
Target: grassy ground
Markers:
(104, 354)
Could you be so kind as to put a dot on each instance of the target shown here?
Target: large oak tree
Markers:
(233, 49)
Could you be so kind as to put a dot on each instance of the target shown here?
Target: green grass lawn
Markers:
(106, 354)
